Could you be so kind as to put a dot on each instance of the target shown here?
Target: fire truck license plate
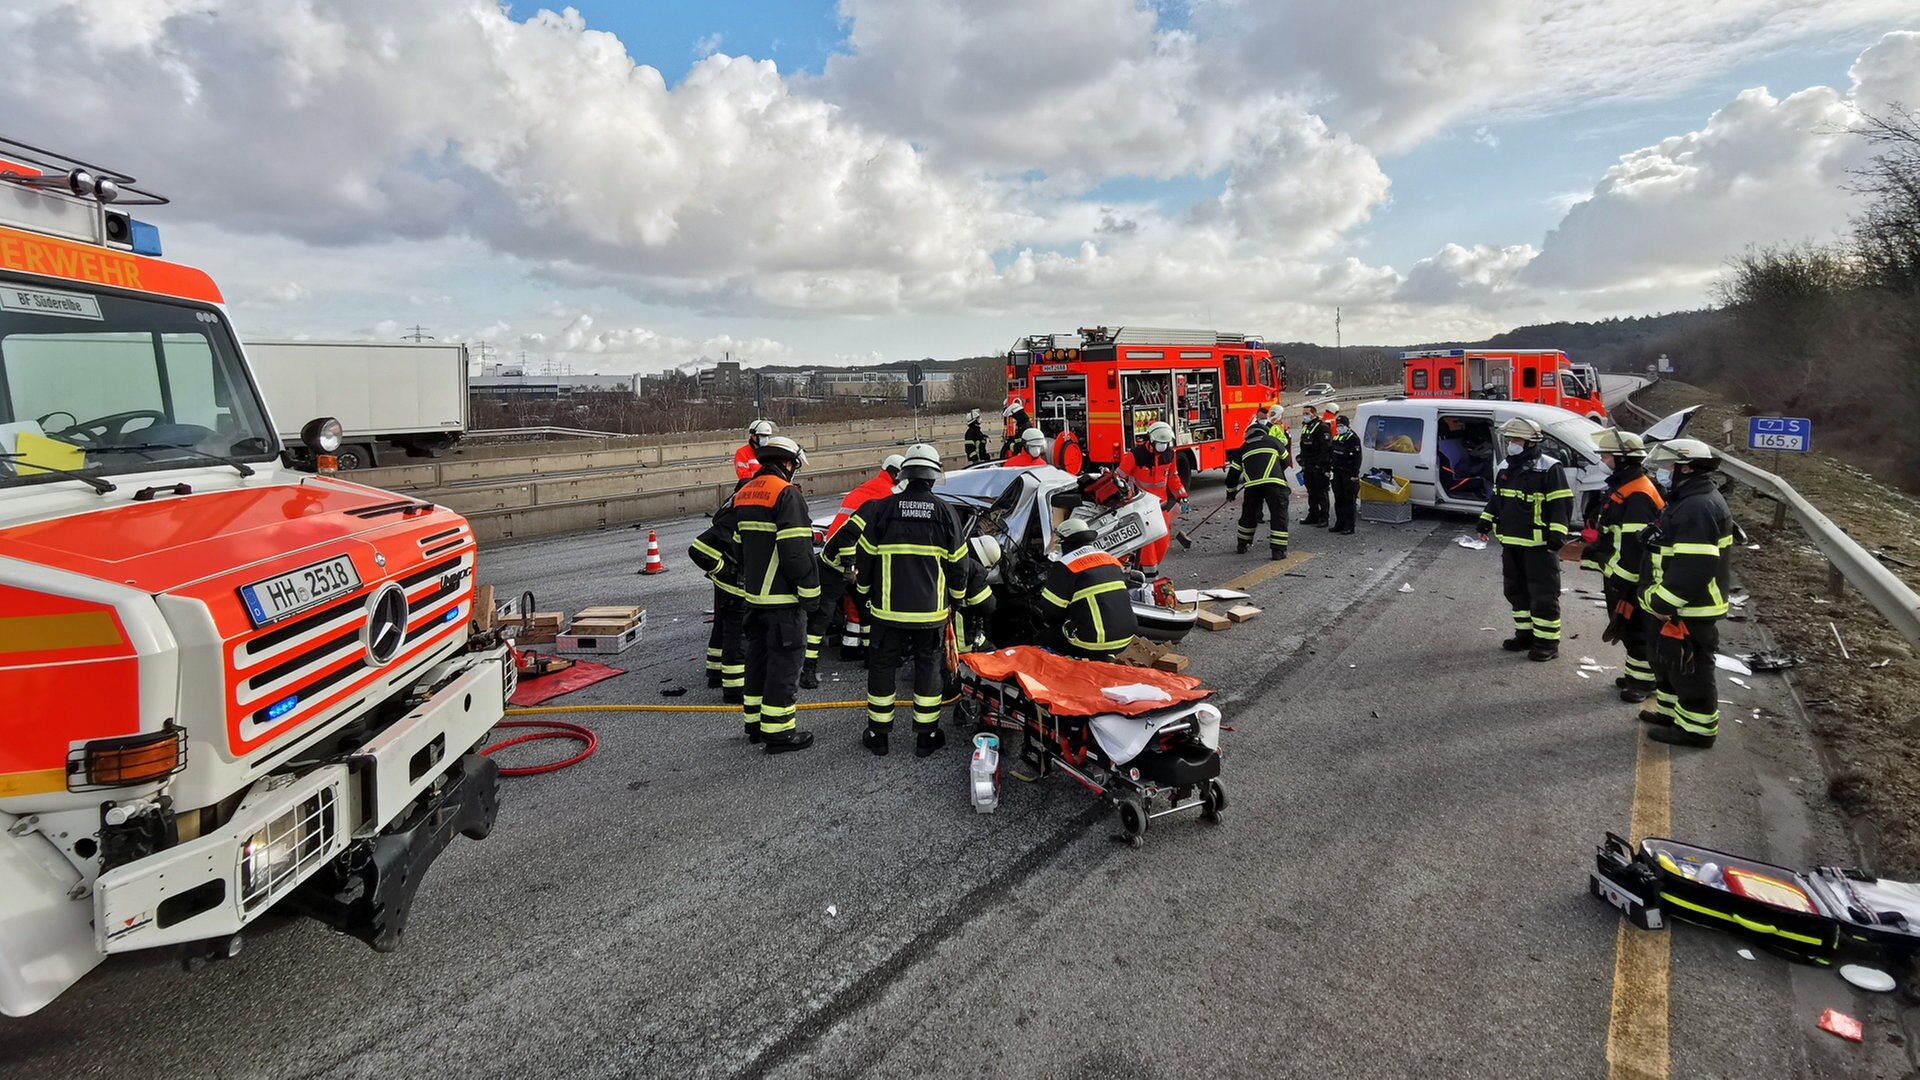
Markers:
(278, 597)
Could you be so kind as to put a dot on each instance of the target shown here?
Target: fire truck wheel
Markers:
(1186, 465)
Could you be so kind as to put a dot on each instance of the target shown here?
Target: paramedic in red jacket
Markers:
(1154, 471)
(746, 460)
(1032, 452)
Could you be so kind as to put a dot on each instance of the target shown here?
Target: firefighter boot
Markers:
(810, 675)
(927, 739)
(732, 695)
(1277, 554)
(1635, 693)
(713, 680)
(753, 730)
(1241, 548)
(1543, 651)
(1518, 643)
(1648, 716)
(875, 738)
(781, 742)
(1676, 736)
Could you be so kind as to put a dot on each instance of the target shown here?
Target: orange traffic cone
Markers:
(654, 565)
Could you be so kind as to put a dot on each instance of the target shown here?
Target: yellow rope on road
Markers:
(552, 710)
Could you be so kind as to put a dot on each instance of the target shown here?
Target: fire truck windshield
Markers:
(111, 384)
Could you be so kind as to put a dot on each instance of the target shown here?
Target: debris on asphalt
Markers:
(1491, 629)
(1882, 663)
(1404, 587)
(1376, 713)
(1867, 978)
(1728, 663)
(1746, 954)
(1773, 661)
(1471, 543)
(1753, 547)
(1583, 674)
(673, 691)
(832, 912)
(1737, 681)
(1839, 1023)
(1844, 654)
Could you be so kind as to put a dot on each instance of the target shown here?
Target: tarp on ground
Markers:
(1071, 687)
(542, 688)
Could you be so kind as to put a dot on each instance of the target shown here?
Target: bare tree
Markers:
(1886, 236)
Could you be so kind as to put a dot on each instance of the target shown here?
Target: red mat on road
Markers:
(583, 673)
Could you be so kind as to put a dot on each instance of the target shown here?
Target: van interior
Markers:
(1465, 456)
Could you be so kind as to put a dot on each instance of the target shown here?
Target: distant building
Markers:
(507, 383)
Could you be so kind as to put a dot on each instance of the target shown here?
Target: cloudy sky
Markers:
(625, 185)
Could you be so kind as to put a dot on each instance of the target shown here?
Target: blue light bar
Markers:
(145, 238)
(282, 707)
(452, 613)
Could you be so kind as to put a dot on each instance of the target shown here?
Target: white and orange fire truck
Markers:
(225, 685)
(1538, 376)
(1110, 386)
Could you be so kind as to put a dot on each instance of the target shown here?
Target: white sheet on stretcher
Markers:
(1123, 737)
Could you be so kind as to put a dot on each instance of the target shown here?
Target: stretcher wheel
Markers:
(1133, 819)
(1213, 800)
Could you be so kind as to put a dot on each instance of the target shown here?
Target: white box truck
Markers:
(392, 399)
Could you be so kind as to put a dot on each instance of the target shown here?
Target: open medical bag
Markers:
(1820, 916)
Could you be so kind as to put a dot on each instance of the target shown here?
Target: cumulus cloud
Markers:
(1761, 170)
(1460, 274)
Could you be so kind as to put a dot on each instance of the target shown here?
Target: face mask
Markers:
(1609, 461)
(1515, 449)
(1663, 477)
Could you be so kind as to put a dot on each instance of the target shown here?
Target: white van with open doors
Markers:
(1450, 448)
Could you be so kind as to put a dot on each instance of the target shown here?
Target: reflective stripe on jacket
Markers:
(1160, 479)
(714, 551)
(1089, 588)
(746, 462)
(1630, 505)
(775, 540)
(1531, 503)
(1687, 548)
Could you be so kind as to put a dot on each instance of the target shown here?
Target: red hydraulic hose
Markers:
(556, 729)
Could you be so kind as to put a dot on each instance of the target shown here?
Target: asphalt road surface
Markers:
(1398, 887)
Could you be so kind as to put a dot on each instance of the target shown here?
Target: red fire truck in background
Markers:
(1541, 376)
(227, 685)
(1111, 385)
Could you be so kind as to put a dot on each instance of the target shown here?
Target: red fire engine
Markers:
(1541, 376)
(1110, 386)
(227, 684)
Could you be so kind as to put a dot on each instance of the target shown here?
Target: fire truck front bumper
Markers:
(288, 828)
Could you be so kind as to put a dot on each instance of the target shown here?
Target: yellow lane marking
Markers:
(1642, 959)
(45, 633)
(1267, 571)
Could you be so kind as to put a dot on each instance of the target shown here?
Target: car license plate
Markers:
(1126, 531)
(297, 590)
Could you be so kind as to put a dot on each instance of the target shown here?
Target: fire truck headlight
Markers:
(322, 435)
(81, 183)
(106, 190)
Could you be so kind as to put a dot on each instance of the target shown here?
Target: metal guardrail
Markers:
(526, 432)
(1881, 587)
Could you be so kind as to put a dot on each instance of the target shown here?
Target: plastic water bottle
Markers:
(983, 773)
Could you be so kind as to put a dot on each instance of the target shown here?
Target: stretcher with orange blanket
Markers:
(1145, 740)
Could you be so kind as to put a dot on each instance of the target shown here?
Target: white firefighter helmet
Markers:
(986, 549)
(1522, 429)
(892, 463)
(1681, 452)
(1615, 441)
(1160, 436)
(973, 416)
(1036, 442)
(1013, 409)
(922, 462)
(781, 448)
(1074, 532)
(760, 429)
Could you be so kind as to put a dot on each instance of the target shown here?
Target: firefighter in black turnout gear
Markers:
(911, 566)
(1684, 593)
(1017, 423)
(1629, 505)
(1261, 468)
(713, 551)
(1086, 590)
(1343, 467)
(978, 452)
(1531, 514)
(780, 581)
(1316, 444)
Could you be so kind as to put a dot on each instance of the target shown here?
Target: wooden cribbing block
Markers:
(1242, 612)
(1172, 661)
(1212, 620)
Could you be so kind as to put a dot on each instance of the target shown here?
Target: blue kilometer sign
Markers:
(1780, 433)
